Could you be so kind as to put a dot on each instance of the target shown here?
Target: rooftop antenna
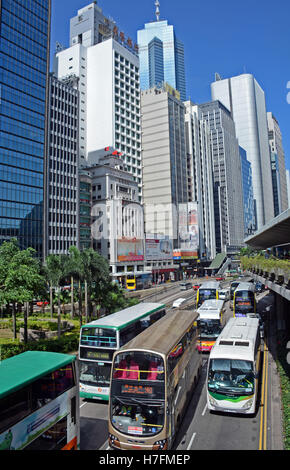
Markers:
(157, 4)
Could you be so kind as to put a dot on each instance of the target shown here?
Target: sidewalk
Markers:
(275, 404)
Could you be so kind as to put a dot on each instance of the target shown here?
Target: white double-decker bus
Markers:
(234, 368)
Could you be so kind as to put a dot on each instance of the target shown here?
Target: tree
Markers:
(75, 270)
(91, 270)
(55, 270)
(20, 278)
(96, 277)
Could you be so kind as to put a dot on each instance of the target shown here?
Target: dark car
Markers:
(259, 287)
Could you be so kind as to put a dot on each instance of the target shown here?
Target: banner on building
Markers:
(183, 254)
(130, 249)
(158, 249)
(188, 227)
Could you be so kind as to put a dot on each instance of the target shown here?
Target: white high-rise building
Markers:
(200, 177)
(108, 82)
(245, 99)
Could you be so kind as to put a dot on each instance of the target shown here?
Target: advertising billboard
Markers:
(130, 249)
(188, 226)
(158, 249)
(183, 254)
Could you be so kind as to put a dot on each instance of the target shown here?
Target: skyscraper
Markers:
(245, 99)
(24, 45)
(200, 177)
(109, 86)
(62, 199)
(277, 160)
(248, 196)
(164, 161)
(227, 176)
(161, 56)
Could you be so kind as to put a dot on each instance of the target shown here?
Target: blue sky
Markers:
(225, 36)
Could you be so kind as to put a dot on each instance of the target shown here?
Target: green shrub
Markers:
(284, 372)
(66, 344)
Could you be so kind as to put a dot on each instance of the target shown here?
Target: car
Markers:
(177, 303)
(196, 286)
(220, 278)
(259, 287)
(224, 294)
(42, 303)
(185, 285)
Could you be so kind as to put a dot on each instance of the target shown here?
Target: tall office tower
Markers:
(24, 44)
(161, 56)
(109, 89)
(90, 26)
(248, 195)
(288, 186)
(200, 177)
(245, 99)
(277, 154)
(62, 201)
(164, 161)
(276, 184)
(227, 176)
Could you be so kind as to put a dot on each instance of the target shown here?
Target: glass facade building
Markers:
(248, 195)
(161, 57)
(24, 44)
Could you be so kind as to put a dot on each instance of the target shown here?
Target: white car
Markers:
(177, 303)
(224, 294)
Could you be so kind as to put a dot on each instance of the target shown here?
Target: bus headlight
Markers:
(114, 441)
(212, 401)
(160, 445)
(248, 404)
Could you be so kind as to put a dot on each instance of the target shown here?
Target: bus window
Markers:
(139, 367)
(232, 375)
(101, 337)
(13, 408)
(95, 372)
(137, 405)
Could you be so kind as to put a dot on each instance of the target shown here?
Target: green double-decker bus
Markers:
(101, 338)
(39, 402)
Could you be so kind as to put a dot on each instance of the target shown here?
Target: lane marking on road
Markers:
(83, 404)
(191, 441)
(204, 410)
(264, 397)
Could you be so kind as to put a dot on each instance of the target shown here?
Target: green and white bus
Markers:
(101, 338)
(234, 368)
(39, 402)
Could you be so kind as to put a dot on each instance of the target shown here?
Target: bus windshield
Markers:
(232, 376)
(209, 328)
(101, 337)
(234, 285)
(95, 373)
(244, 302)
(138, 394)
(206, 294)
